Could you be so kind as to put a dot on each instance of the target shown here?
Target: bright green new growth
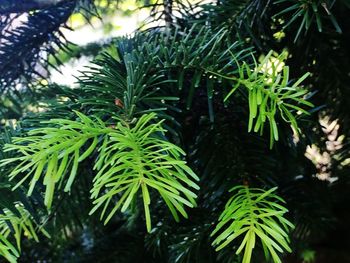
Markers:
(131, 157)
(15, 225)
(136, 159)
(51, 151)
(270, 91)
(256, 214)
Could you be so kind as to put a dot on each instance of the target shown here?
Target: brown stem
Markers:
(168, 9)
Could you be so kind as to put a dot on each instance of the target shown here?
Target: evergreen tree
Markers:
(219, 135)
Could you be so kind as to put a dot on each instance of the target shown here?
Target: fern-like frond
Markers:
(136, 158)
(50, 151)
(15, 226)
(269, 92)
(132, 156)
(254, 213)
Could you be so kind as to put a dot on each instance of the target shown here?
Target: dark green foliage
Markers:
(27, 43)
(41, 29)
